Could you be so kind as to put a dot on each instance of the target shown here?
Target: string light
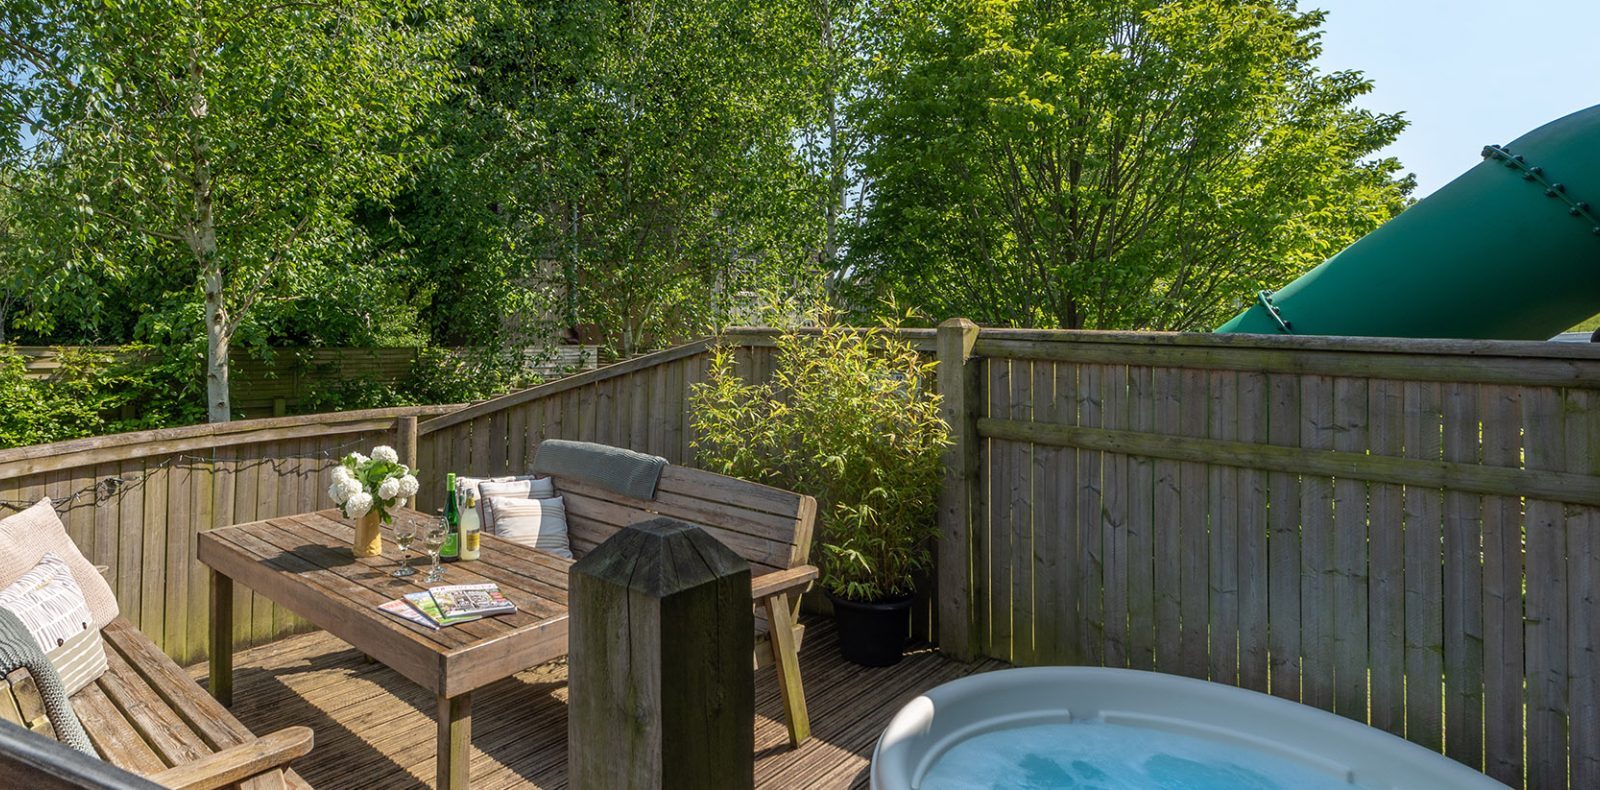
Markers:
(107, 488)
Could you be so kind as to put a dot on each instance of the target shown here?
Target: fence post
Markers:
(405, 439)
(959, 388)
(661, 683)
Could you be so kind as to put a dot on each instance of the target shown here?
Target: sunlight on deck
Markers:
(375, 728)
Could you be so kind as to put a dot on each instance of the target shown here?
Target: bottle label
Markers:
(472, 541)
(450, 548)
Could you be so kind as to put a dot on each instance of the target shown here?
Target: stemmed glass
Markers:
(405, 531)
(432, 540)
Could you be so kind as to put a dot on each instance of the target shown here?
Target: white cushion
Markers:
(521, 488)
(27, 536)
(536, 523)
(49, 602)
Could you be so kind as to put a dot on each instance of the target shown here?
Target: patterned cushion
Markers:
(27, 536)
(49, 602)
(536, 523)
(521, 488)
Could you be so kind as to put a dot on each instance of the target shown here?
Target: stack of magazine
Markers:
(436, 607)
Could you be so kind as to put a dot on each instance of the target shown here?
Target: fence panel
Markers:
(1401, 532)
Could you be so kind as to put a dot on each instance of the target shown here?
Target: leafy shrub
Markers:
(851, 418)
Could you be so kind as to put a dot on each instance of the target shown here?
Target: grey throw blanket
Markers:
(612, 468)
(19, 650)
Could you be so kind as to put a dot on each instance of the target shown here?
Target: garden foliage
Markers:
(851, 418)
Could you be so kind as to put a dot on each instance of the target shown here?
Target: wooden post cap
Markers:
(660, 681)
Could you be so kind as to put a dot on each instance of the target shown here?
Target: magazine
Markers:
(466, 600)
(403, 610)
(423, 602)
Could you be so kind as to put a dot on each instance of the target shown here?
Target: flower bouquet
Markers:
(367, 490)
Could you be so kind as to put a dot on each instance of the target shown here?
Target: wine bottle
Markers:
(471, 527)
(451, 550)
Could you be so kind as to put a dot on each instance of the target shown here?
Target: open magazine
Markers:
(448, 605)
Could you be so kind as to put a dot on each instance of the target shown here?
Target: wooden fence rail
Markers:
(1403, 532)
(135, 502)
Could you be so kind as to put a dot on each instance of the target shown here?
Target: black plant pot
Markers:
(872, 634)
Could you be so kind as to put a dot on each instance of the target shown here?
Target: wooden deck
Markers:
(375, 728)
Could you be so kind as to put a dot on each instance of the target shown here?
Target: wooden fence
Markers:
(1403, 532)
(284, 385)
(135, 502)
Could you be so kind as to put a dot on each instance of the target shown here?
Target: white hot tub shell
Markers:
(930, 725)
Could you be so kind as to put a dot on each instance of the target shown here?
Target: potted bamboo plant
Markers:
(850, 417)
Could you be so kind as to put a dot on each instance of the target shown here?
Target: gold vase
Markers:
(369, 539)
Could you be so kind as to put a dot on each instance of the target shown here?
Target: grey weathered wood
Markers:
(1546, 616)
(660, 673)
(958, 389)
(405, 439)
(221, 643)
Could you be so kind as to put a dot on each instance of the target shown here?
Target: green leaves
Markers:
(1113, 164)
(849, 416)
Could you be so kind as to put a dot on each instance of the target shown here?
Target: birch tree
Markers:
(238, 135)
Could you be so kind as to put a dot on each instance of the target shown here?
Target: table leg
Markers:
(221, 680)
(455, 741)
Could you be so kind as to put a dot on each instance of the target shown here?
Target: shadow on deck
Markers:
(375, 729)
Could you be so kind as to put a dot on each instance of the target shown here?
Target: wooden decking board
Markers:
(375, 728)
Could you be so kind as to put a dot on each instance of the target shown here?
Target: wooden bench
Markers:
(769, 527)
(146, 716)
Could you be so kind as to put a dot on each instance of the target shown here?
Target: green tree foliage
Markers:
(850, 417)
(1110, 164)
(630, 165)
(226, 142)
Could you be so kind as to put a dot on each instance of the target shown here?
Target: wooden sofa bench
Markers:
(146, 716)
(769, 527)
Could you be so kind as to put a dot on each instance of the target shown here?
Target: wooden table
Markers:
(304, 563)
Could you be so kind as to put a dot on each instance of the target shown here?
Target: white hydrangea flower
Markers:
(389, 488)
(358, 505)
(343, 489)
(384, 452)
(359, 458)
(342, 472)
(409, 486)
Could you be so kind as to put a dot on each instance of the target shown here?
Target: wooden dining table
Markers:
(305, 564)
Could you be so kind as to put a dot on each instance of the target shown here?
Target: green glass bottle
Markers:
(451, 550)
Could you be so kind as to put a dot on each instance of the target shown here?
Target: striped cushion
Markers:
(27, 536)
(49, 602)
(521, 488)
(536, 523)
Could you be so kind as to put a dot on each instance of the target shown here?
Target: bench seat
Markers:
(146, 716)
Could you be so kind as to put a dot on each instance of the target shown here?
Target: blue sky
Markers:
(1465, 72)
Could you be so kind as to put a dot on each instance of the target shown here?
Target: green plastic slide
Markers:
(1510, 250)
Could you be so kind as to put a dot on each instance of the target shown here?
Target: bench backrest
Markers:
(768, 526)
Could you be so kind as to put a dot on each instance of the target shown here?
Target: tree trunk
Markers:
(202, 236)
(218, 337)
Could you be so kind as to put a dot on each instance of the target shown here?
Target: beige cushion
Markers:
(536, 523)
(521, 488)
(27, 536)
(48, 601)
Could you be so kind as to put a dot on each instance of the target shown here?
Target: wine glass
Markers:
(405, 532)
(432, 540)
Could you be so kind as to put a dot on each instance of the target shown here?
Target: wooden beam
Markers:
(563, 385)
(1459, 361)
(661, 685)
(1461, 477)
(961, 395)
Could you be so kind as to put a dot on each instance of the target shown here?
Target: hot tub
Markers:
(1048, 727)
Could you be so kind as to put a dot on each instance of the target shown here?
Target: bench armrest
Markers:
(795, 579)
(238, 763)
